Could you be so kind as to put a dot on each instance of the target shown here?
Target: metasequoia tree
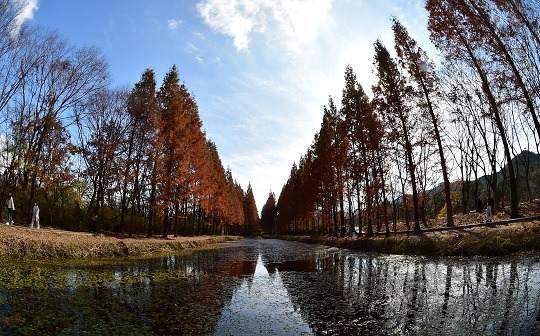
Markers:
(364, 132)
(234, 211)
(286, 204)
(325, 176)
(217, 201)
(250, 212)
(421, 70)
(309, 194)
(198, 183)
(331, 149)
(473, 137)
(268, 215)
(299, 197)
(174, 135)
(142, 104)
(392, 96)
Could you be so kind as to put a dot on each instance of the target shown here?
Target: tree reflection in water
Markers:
(410, 295)
(270, 286)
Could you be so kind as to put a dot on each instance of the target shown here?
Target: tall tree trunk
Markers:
(123, 201)
(359, 204)
(341, 204)
(151, 211)
(351, 216)
(446, 180)
(123, 205)
(165, 222)
(199, 214)
(514, 213)
(368, 191)
(335, 218)
(383, 185)
(185, 214)
(412, 173)
(402, 182)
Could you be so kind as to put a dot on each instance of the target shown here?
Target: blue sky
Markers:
(261, 70)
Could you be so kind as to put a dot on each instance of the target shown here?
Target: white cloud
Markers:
(292, 23)
(173, 24)
(25, 11)
(199, 59)
(191, 47)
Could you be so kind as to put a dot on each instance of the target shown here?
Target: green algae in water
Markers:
(131, 298)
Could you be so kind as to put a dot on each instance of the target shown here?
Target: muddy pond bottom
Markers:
(273, 287)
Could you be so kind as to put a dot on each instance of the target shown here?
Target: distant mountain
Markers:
(523, 159)
(519, 162)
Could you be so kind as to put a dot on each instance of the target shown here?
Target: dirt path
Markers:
(468, 226)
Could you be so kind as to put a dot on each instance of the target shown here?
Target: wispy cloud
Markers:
(191, 47)
(173, 24)
(199, 59)
(25, 11)
(274, 101)
(200, 35)
(291, 23)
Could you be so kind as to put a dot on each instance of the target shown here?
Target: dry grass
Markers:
(522, 237)
(493, 239)
(22, 242)
(525, 210)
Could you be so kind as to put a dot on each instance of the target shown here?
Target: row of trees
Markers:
(379, 160)
(134, 158)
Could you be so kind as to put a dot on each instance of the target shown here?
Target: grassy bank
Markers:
(492, 240)
(21, 242)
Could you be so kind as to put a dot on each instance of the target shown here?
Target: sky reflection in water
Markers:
(261, 306)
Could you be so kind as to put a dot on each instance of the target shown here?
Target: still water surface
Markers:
(272, 287)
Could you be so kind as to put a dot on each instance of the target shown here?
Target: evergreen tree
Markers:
(268, 215)
(142, 105)
(250, 212)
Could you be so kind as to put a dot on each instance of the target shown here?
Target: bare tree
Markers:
(62, 78)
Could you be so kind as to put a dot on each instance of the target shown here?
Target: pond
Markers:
(273, 287)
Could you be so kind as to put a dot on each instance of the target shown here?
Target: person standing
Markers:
(35, 216)
(479, 206)
(94, 223)
(490, 204)
(10, 207)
